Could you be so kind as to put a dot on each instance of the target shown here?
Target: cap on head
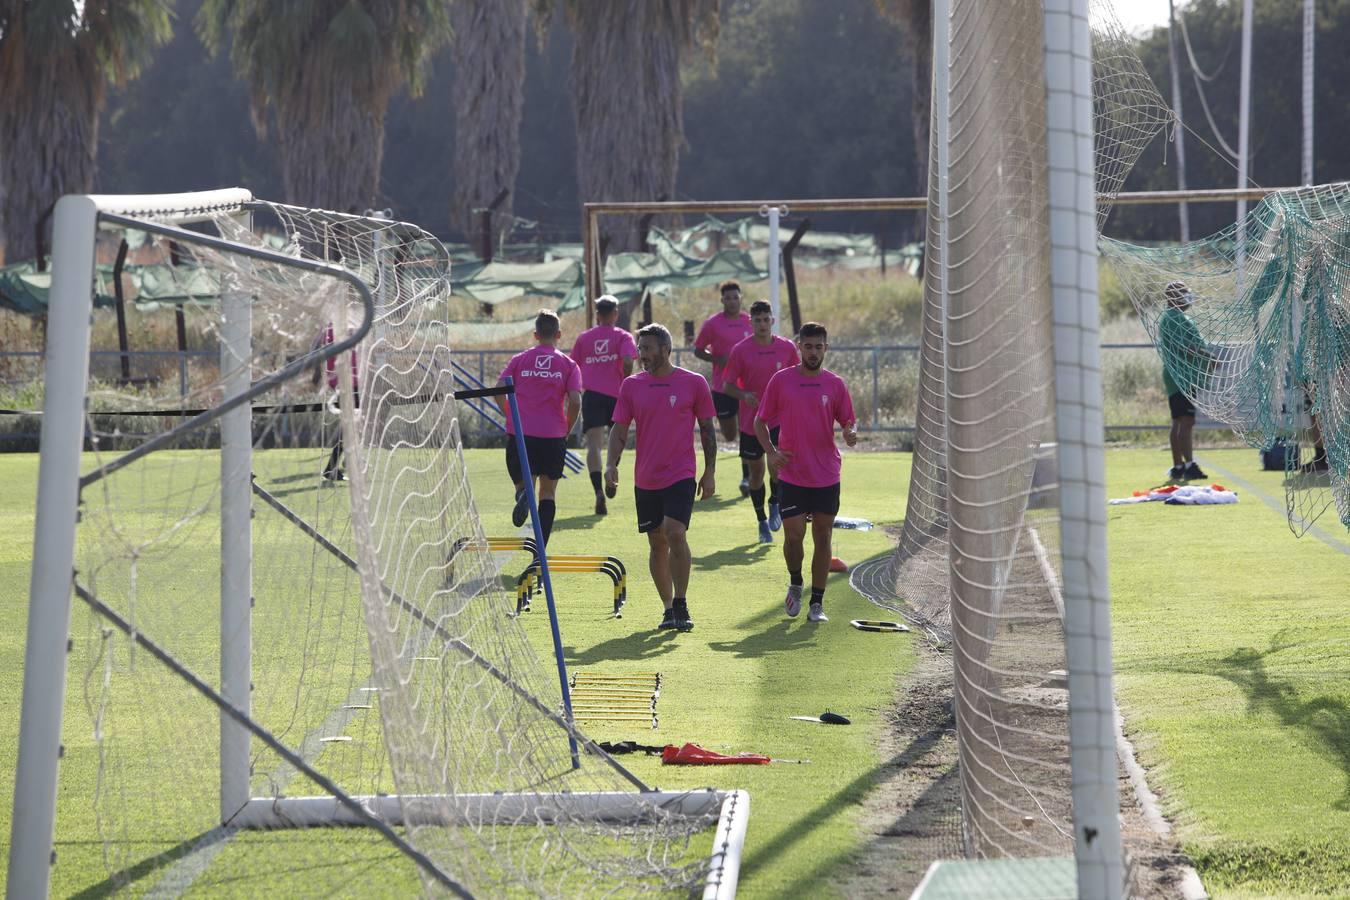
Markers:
(606, 303)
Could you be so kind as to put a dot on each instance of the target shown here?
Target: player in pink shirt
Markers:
(719, 334)
(752, 363)
(665, 401)
(605, 354)
(807, 400)
(548, 393)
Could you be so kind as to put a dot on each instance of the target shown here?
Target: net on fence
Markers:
(1253, 324)
(381, 659)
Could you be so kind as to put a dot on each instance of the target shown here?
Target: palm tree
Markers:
(57, 58)
(321, 74)
(917, 18)
(489, 96)
(627, 95)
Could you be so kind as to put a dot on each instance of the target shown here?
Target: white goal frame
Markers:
(52, 586)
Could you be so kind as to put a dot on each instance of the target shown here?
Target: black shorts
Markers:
(674, 500)
(726, 405)
(597, 410)
(750, 446)
(546, 457)
(1180, 405)
(798, 501)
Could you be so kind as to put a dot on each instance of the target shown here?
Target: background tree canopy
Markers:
(804, 99)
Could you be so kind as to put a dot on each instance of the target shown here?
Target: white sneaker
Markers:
(817, 613)
(793, 601)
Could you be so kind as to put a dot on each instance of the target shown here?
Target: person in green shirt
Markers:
(1184, 351)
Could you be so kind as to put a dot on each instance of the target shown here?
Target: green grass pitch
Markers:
(1230, 638)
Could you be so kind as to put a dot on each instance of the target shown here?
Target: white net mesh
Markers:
(383, 656)
(978, 557)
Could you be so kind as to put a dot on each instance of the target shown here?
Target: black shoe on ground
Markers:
(611, 490)
(601, 508)
(334, 475)
(1176, 473)
(1194, 472)
(682, 620)
(668, 621)
(521, 511)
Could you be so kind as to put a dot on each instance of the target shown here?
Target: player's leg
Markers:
(822, 533)
(727, 409)
(752, 455)
(794, 533)
(678, 508)
(649, 518)
(547, 457)
(597, 411)
(775, 510)
(521, 511)
(595, 438)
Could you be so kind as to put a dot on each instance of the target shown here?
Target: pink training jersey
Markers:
(807, 406)
(665, 410)
(752, 365)
(543, 375)
(719, 334)
(600, 351)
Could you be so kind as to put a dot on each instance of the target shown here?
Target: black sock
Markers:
(757, 498)
(773, 490)
(679, 604)
(745, 471)
(547, 509)
(795, 577)
(817, 596)
(595, 481)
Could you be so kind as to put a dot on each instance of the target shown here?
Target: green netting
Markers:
(1253, 324)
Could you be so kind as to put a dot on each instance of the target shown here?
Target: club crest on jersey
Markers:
(824, 399)
(672, 399)
(602, 346)
(543, 362)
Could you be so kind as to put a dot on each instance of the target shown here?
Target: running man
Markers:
(605, 354)
(719, 334)
(752, 363)
(548, 393)
(807, 400)
(665, 401)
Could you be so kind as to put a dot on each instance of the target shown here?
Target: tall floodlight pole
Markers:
(1244, 124)
(1309, 38)
(1182, 213)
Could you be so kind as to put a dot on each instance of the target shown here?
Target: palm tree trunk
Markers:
(331, 149)
(49, 131)
(629, 106)
(489, 98)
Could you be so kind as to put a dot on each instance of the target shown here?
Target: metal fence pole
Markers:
(876, 393)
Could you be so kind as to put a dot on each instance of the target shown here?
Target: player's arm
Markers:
(773, 457)
(502, 400)
(627, 366)
(618, 439)
(707, 433)
(847, 419)
(573, 408)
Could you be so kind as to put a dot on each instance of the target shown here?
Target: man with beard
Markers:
(665, 401)
(807, 401)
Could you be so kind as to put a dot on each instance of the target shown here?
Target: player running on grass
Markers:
(752, 363)
(807, 400)
(548, 393)
(605, 354)
(665, 401)
(719, 334)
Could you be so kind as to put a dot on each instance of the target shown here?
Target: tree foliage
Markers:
(56, 59)
(1215, 29)
(325, 70)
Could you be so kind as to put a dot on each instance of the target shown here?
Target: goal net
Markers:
(291, 617)
(1268, 300)
(1002, 550)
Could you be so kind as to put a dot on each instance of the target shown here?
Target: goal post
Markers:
(346, 636)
